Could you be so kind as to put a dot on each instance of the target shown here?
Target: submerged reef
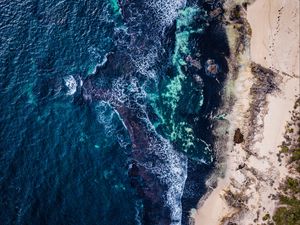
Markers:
(112, 104)
(167, 110)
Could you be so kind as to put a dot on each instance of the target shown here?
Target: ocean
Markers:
(107, 109)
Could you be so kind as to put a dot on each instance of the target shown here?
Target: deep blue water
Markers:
(104, 120)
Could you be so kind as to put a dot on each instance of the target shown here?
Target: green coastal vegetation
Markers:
(288, 212)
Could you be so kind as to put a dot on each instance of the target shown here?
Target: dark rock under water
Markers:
(105, 110)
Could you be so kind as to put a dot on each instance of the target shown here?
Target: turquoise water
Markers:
(102, 118)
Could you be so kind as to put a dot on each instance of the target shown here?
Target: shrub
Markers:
(287, 216)
(266, 217)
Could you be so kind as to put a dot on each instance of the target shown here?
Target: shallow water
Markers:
(71, 158)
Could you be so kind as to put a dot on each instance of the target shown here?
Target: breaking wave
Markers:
(166, 11)
(172, 170)
(71, 84)
(139, 48)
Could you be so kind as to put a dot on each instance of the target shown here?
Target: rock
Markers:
(238, 136)
(193, 62)
(211, 68)
(216, 12)
(241, 166)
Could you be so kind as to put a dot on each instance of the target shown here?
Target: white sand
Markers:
(275, 45)
(275, 39)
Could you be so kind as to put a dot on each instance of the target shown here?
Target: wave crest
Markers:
(71, 84)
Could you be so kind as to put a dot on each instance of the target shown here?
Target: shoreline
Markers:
(243, 193)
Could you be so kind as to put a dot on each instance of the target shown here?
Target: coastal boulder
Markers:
(211, 68)
(238, 136)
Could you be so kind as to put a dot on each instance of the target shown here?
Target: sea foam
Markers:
(71, 84)
(166, 11)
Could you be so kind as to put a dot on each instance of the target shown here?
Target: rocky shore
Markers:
(261, 91)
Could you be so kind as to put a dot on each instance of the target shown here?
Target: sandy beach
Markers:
(252, 171)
